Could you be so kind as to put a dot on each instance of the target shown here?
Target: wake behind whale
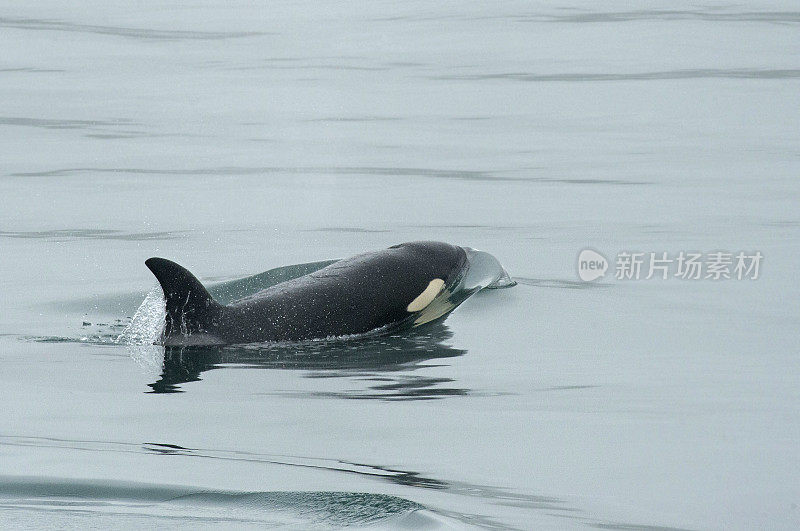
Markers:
(402, 287)
(44, 502)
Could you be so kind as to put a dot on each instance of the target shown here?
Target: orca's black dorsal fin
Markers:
(190, 308)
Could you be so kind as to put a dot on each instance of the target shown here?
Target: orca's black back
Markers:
(352, 296)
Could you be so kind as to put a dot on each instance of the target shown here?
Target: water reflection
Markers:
(386, 364)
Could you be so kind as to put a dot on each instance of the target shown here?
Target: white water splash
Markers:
(144, 330)
(147, 323)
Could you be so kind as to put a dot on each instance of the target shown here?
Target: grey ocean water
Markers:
(238, 137)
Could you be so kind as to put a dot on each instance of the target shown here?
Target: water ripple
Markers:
(31, 70)
(697, 73)
(384, 473)
(560, 283)
(192, 504)
(438, 173)
(59, 124)
(708, 16)
(63, 235)
(135, 33)
(773, 17)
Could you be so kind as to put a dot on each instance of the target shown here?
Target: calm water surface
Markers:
(236, 138)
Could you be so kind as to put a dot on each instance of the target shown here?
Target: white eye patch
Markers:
(425, 298)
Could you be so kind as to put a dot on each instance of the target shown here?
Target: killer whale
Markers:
(383, 290)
